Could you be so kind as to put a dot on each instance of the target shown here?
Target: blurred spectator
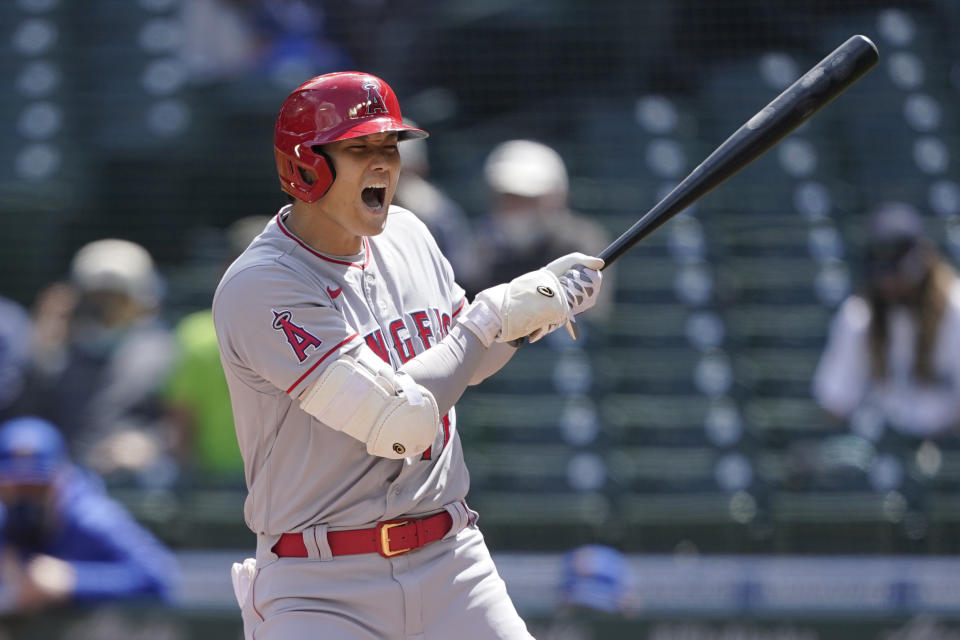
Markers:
(101, 357)
(895, 347)
(598, 578)
(206, 446)
(196, 393)
(285, 40)
(62, 539)
(597, 586)
(443, 216)
(15, 344)
(529, 219)
(294, 41)
(219, 40)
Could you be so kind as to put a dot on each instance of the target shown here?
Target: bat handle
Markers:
(614, 251)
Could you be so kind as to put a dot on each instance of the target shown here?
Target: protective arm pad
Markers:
(365, 399)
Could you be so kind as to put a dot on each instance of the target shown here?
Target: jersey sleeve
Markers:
(457, 294)
(274, 329)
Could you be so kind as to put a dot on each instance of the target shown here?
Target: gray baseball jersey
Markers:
(283, 312)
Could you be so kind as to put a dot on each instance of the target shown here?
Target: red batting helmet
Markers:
(331, 107)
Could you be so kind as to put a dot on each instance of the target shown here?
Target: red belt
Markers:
(390, 538)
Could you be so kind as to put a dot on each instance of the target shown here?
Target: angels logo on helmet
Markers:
(374, 104)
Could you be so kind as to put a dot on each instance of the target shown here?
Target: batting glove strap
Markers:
(483, 318)
(581, 284)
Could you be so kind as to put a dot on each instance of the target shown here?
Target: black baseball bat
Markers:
(829, 78)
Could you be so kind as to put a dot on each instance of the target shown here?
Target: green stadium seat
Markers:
(666, 469)
(643, 419)
(496, 466)
(773, 235)
(773, 326)
(646, 370)
(769, 279)
(509, 417)
(542, 520)
(707, 508)
(859, 521)
(645, 280)
(647, 324)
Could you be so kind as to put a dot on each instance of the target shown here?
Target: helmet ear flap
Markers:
(305, 180)
(325, 174)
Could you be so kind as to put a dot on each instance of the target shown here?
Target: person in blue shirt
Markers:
(15, 353)
(63, 540)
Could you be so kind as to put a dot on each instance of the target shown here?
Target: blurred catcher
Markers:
(62, 539)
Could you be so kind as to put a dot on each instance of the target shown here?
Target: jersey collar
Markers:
(359, 262)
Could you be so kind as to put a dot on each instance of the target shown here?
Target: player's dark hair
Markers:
(927, 305)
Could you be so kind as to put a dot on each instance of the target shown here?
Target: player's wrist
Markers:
(482, 317)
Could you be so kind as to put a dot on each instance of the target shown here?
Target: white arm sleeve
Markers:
(454, 363)
(494, 359)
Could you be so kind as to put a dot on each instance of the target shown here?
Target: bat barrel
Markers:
(811, 92)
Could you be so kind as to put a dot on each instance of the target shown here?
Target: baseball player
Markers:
(346, 342)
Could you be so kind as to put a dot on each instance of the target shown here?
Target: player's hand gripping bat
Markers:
(829, 78)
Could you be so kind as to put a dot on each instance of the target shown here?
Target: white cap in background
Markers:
(526, 168)
(119, 266)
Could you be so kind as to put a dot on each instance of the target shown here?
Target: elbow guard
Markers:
(385, 409)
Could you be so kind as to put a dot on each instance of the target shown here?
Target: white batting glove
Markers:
(535, 303)
(241, 575)
(581, 278)
(516, 309)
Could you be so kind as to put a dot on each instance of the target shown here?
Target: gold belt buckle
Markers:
(385, 539)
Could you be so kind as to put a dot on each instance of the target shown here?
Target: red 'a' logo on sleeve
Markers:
(298, 337)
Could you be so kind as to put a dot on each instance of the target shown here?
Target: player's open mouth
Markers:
(374, 196)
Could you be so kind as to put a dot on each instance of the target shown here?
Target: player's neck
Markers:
(320, 232)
